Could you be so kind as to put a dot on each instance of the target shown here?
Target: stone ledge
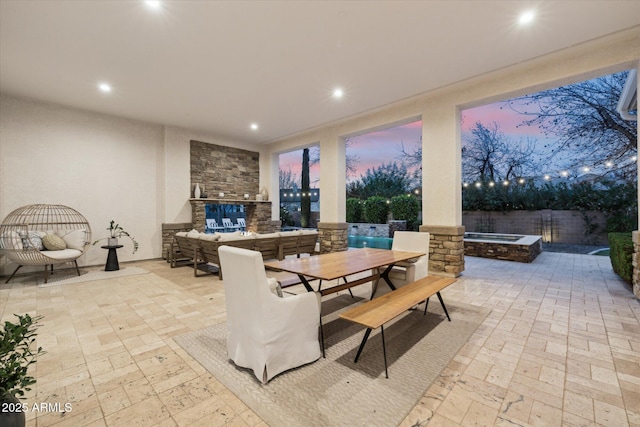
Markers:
(176, 226)
(333, 225)
(456, 230)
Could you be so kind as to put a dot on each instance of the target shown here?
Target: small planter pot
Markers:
(112, 241)
(11, 414)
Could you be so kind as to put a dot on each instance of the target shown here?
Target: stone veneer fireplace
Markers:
(232, 171)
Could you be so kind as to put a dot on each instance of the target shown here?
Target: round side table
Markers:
(112, 258)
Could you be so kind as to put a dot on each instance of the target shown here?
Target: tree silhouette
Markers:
(387, 180)
(488, 155)
(583, 118)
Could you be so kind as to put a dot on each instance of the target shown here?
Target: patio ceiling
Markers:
(218, 66)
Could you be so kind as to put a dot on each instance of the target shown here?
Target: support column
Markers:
(446, 250)
(442, 189)
(332, 226)
(332, 236)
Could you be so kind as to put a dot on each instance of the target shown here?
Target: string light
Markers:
(562, 173)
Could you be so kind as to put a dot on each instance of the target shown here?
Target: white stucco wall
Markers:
(105, 167)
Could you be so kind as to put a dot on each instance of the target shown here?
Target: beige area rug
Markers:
(88, 276)
(335, 391)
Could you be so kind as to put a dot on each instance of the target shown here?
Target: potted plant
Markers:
(115, 231)
(16, 355)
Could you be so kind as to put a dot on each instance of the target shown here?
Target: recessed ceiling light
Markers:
(104, 87)
(153, 4)
(526, 17)
(338, 93)
(254, 126)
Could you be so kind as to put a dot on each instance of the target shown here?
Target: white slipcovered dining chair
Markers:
(409, 271)
(266, 333)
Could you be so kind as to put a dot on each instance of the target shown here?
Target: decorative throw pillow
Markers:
(31, 240)
(53, 242)
(73, 239)
(194, 234)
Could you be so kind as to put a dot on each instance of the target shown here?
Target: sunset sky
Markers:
(383, 146)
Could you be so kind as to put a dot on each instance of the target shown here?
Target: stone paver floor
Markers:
(560, 347)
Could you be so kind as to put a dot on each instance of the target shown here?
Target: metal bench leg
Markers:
(75, 261)
(364, 340)
(426, 304)
(443, 307)
(384, 352)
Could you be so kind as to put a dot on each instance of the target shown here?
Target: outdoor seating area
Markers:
(326, 214)
(202, 248)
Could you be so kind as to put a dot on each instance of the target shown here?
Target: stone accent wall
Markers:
(446, 250)
(635, 278)
(556, 226)
(232, 171)
(258, 214)
(369, 230)
(170, 230)
(332, 236)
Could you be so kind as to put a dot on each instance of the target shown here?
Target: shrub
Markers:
(621, 254)
(619, 202)
(285, 217)
(406, 208)
(17, 353)
(355, 210)
(376, 210)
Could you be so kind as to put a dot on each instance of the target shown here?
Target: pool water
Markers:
(369, 242)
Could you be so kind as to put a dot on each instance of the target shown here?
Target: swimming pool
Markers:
(369, 242)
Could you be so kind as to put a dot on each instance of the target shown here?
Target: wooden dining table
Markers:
(340, 265)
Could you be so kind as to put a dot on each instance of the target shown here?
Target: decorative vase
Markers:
(196, 192)
(265, 193)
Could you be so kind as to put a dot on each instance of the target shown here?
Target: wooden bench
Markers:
(375, 313)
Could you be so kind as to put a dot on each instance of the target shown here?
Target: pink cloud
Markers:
(500, 113)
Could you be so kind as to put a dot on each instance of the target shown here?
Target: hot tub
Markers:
(510, 247)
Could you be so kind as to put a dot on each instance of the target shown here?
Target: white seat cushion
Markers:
(69, 254)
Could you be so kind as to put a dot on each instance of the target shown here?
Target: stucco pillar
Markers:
(332, 226)
(441, 189)
(635, 278)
